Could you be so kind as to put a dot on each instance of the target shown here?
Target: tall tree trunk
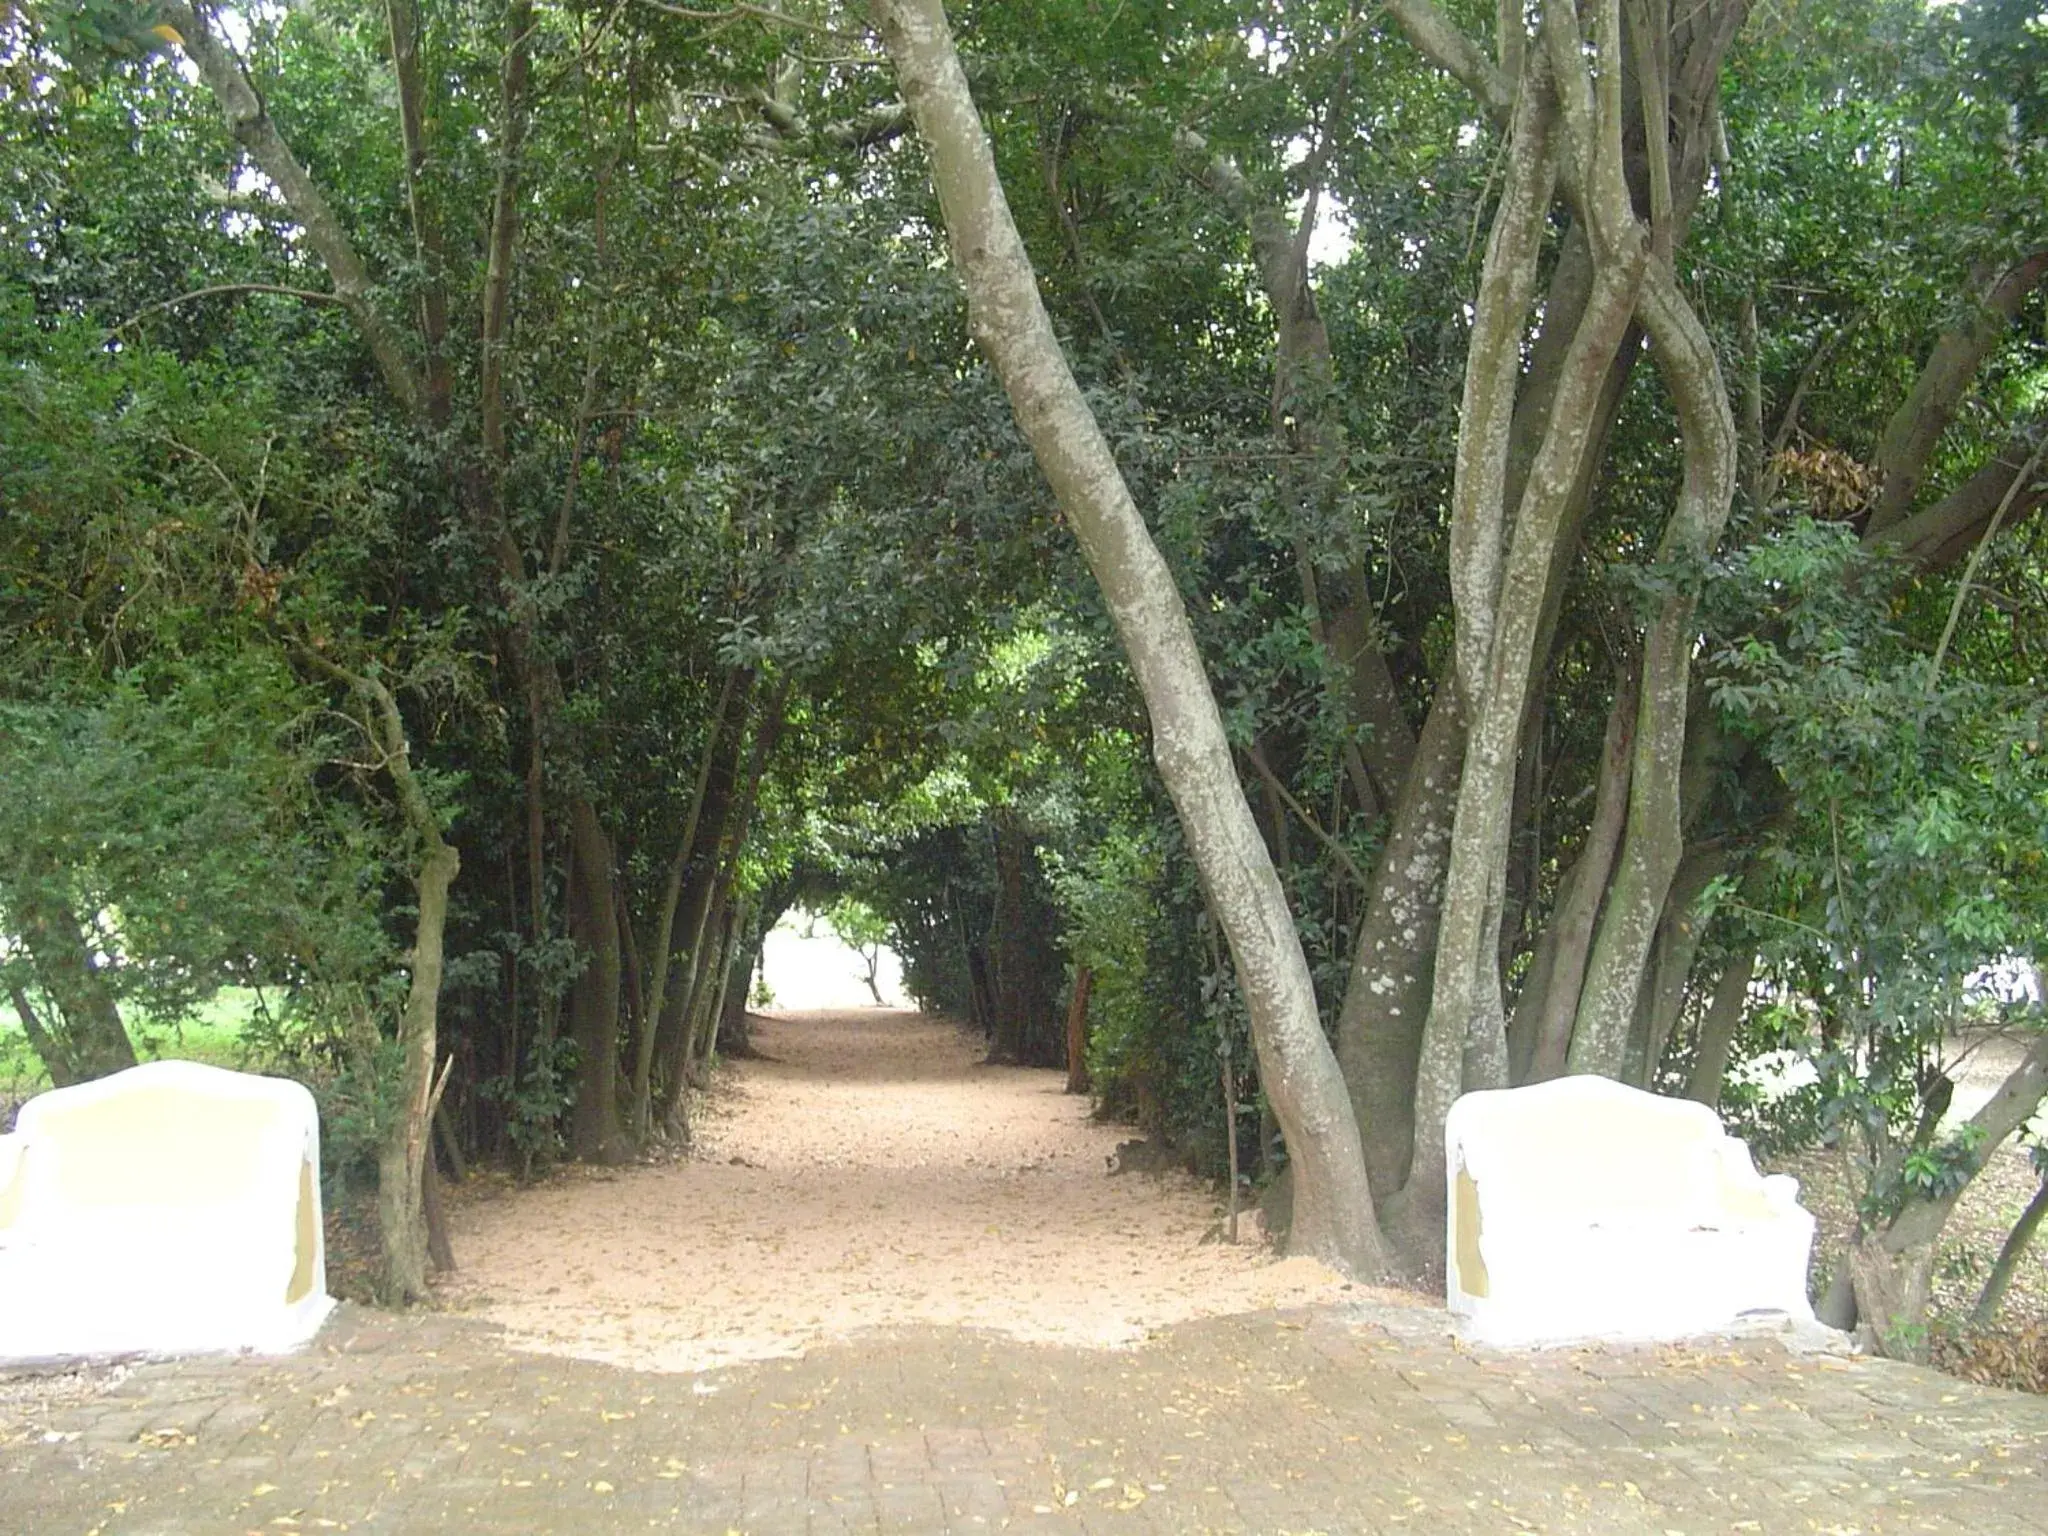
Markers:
(404, 1145)
(595, 1134)
(1501, 605)
(1333, 1211)
(1677, 945)
(724, 726)
(704, 1005)
(723, 835)
(1077, 1030)
(700, 886)
(1655, 840)
(1386, 1000)
(1550, 1002)
(402, 1157)
(87, 1033)
(1717, 1030)
(734, 1037)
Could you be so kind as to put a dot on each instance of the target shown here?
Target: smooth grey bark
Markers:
(1386, 998)
(1655, 840)
(1333, 1210)
(1490, 657)
(1679, 932)
(1717, 1030)
(1464, 1042)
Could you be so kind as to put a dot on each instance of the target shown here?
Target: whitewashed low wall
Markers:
(169, 1209)
(1585, 1209)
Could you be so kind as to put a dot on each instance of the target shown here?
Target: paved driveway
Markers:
(1328, 1420)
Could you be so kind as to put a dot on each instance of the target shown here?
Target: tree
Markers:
(1333, 1211)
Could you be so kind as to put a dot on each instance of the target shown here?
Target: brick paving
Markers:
(1331, 1421)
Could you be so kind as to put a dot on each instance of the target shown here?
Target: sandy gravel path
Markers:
(872, 1173)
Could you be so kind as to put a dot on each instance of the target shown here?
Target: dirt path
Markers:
(871, 1173)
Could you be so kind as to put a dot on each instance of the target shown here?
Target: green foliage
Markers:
(1911, 859)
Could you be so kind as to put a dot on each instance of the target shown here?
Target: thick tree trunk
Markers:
(1333, 1212)
(1386, 1000)
(1006, 946)
(1917, 425)
(1655, 840)
(1464, 1042)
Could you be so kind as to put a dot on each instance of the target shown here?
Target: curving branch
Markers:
(1916, 427)
(1437, 39)
(1655, 839)
(250, 123)
(308, 295)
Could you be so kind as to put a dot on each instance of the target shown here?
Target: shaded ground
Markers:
(2014, 1350)
(868, 1172)
(904, 1217)
(1332, 1420)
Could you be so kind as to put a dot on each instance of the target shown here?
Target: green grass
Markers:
(211, 1032)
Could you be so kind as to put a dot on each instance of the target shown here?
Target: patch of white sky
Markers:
(1332, 242)
(1335, 236)
(235, 24)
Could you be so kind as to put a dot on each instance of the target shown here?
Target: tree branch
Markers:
(1955, 610)
(1439, 41)
(1915, 429)
(310, 295)
(250, 124)
(1307, 817)
(504, 230)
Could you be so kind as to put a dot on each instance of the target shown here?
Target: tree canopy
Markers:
(1425, 548)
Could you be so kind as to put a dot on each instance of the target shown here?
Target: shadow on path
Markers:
(1327, 1420)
